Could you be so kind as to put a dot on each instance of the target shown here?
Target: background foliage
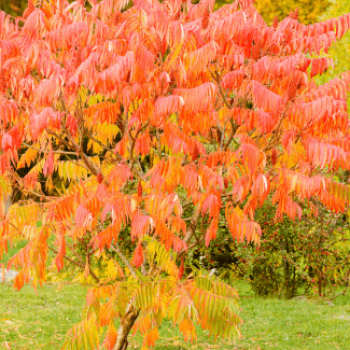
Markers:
(13, 7)
(340, 52)
(309, 10)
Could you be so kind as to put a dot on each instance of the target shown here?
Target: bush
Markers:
(301, 257)
(309, 255)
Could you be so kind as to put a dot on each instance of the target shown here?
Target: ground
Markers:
(33, 321)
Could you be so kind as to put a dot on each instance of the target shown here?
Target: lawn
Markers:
(30, 320)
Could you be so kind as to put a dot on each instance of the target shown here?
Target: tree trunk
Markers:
(125, 327)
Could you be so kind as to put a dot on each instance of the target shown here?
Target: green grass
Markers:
(298, 325)
(30, 320)
(39, 320)
(12, 251)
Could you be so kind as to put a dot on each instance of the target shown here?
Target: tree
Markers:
(162, 121)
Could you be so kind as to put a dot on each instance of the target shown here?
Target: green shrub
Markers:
(310, 255)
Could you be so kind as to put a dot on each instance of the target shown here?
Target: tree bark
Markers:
(125, 327)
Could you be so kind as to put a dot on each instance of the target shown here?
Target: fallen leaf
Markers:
(7, 345)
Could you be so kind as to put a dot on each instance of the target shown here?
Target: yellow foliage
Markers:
(339, 52)
(24, 214)
(74, 170)
(114, 270)
(5, 187)
(309, 11)
(27, 158)
(106, 134)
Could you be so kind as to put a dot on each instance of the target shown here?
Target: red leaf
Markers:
(181, 269)
(139, 189)
(49, 165)
(320, 65)
(211, 232)
(137, 258)
(266, 99)
(6, 142)
(273, 156)
(141, 225)
(233, 80)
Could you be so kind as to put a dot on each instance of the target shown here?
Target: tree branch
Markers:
(55, 152)
(192, 228)
(232, 134)
(119, 157)
(217, 79)
(117, 249)
(134, 139)
(77, 264)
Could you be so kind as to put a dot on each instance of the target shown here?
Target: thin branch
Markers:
(75, 253)
(217, 79)
(344, 291)
(25, 190)
(79, 150)
(39, 150)
(77, 264)
(59, 138)
(192, 228)
(134, 139)
(275, 137)
(116, 248)
(106, 148)
(68, 259)
(232, 134)
(119, 157)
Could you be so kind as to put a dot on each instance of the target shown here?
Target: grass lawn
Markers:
(40, 321)
(12, 251)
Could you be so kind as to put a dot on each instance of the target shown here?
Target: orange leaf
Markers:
(188, 330)
(111, 337)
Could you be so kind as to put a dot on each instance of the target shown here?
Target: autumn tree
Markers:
(163, 120)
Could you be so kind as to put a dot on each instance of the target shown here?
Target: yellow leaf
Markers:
(114, 270)
(27, 158)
